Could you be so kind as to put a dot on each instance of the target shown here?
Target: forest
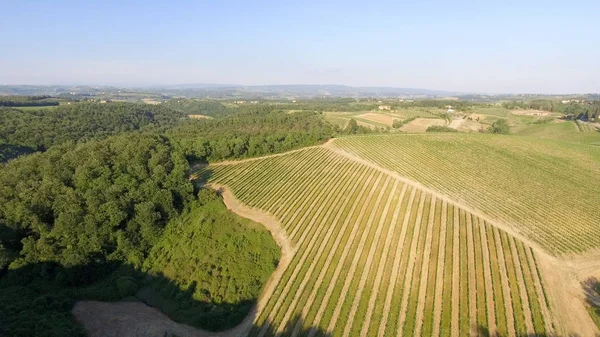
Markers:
(21, 101)
(100, 207)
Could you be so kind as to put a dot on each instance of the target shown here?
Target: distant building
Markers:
(450, 111)
(239, 102)
(254, 102)
(385, 107)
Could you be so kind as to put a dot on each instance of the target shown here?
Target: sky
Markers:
(526, 46)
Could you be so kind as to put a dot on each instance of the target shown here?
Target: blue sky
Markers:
(473, 46)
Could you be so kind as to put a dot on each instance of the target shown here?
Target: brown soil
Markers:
(421, 124)
(378, 118)
(199, 117)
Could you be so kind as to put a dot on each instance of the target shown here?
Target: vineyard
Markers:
(585, 127)
(544, 189)
(375, 256)
(566, 130)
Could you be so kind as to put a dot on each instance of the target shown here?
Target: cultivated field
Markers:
(420, 125)
(563, 130)
(546, 190)
(383, 118)
(585, 127)
(375, 255)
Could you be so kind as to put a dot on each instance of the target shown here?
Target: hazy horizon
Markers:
(462, 46)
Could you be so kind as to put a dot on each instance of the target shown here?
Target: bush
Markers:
(127, 286)
(500, 126)
(439, 128)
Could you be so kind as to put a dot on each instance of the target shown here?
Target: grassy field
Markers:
(545, 189)
(378, 257)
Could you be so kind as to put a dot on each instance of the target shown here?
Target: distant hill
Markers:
(231, 90)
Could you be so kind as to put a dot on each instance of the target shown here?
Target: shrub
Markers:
(127, 286)
(439, 128)
(500, 126)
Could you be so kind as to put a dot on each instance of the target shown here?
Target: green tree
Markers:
(352, 127)
(500, 126)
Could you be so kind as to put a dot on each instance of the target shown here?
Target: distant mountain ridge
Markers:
(232, 90)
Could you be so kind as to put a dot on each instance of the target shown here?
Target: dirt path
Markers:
(396, 265)
(425, 272)
(508, 305)
(350, 241)
(369, 263)
(287, 252)
(455, 275)
(563, 287)
(384, 256)
(357, 256)
(137, 319)
(489, 291)
(321, 247)
(336, 244)
(410, 267)
(472, 277)
(439, 281)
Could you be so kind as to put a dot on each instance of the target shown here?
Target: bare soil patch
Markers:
(421, 124)
(199, 117)
(531, 113)
(378, 118)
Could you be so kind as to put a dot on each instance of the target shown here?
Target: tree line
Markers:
(21, 101)
(588, 110)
